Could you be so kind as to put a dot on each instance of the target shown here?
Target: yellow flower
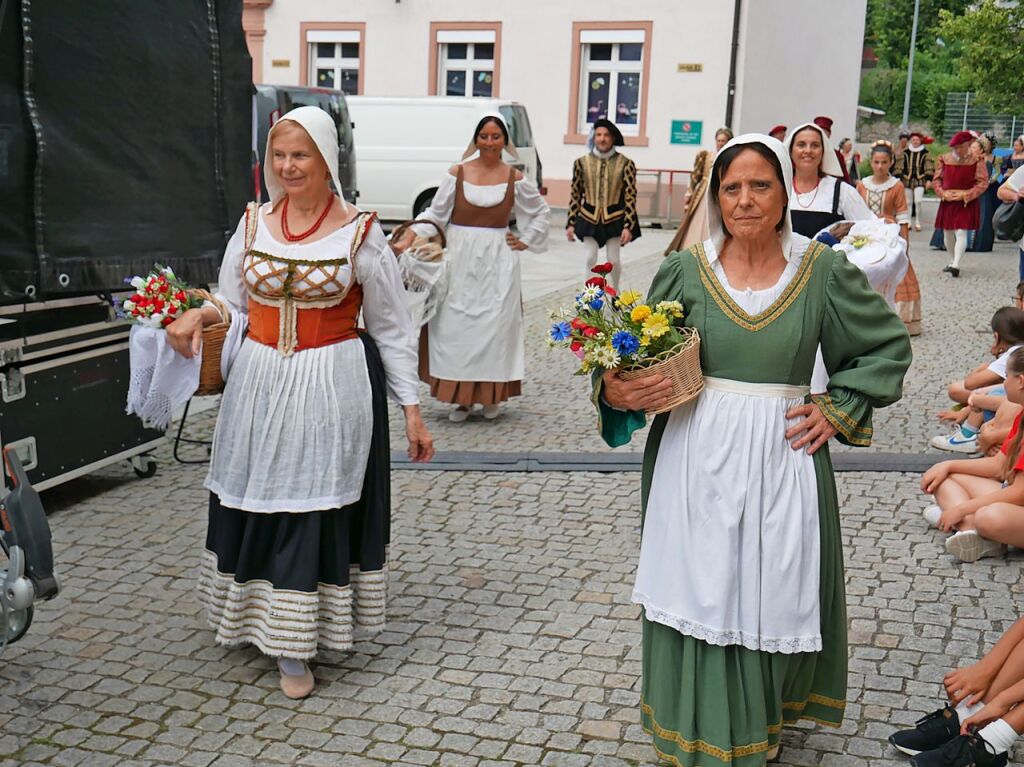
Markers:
(656, 325)
(628, 297)
(671, 307)
(640, 313)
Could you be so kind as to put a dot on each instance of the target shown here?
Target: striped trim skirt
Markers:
(291, 583)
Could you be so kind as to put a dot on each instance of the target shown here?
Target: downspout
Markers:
(731, 96)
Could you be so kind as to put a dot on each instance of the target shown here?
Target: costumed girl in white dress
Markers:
(299, 480)
(475, 347)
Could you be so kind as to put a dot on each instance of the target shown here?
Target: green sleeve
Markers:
(617, 426)
(866, 350)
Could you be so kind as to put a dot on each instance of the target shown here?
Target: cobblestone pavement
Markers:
(511, 638)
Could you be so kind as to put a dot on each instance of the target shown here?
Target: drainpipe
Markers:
(731, 97)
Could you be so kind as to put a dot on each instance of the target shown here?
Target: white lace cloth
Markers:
(730, 552)
(161, 380)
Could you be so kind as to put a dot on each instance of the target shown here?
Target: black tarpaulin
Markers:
(124, 141)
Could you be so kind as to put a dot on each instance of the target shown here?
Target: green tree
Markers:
(889, 24)
(990, 39)
(935, 74)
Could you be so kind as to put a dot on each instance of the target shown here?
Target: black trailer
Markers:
(125, 140)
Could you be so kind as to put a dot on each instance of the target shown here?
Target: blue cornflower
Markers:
(560, 331)
(625, 343)
(596, 304)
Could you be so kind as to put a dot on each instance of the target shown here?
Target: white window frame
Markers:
(614, 67)
(470, 65)
(337, 63)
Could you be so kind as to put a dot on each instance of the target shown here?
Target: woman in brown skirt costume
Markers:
(474, 351)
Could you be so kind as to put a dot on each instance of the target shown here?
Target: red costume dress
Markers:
(968, 175)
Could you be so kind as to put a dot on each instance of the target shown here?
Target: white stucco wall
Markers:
(799, 59)
(788, 70)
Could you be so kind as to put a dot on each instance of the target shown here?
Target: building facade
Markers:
(668, 72)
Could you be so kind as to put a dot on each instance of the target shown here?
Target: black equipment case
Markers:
(125, 135)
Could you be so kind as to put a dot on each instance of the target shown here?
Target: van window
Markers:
(518, 125)
(331, 103)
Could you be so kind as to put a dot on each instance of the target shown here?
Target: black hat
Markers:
(617, 139)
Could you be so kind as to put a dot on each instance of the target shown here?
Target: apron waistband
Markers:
(787, 391)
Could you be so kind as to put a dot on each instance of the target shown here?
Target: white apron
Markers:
(731, 547)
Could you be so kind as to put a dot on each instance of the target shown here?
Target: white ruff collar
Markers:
(603, 155)
(885, 186)
(913, 148)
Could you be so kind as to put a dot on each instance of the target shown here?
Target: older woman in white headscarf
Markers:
(819, 197)
(475, 350)
(741, 566)
(299, 514)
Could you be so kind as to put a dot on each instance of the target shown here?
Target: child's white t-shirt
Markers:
(999, 366)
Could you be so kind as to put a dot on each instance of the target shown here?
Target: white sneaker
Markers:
(956, 442)
(458, 415)
(968, 546)
(931, 515)
(492, 411)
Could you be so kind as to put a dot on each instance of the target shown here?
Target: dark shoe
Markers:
(962, 751)
(954, 271)
(934, 730)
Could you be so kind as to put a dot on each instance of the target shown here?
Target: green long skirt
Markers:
(709, 705)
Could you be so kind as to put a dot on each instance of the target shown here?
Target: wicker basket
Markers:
(210, 379)
(680, 364)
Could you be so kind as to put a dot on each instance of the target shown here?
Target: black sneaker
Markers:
(962, 751)
(934, 730)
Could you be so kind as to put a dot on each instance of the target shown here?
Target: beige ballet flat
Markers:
(296, 686)
(773, 753)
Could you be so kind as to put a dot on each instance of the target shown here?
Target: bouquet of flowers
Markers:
(160, 298)
(608, 330)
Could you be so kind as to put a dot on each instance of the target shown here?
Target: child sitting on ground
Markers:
(982, 499)
(1008, 334)
(986, 695)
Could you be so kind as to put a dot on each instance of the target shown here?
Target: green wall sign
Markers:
(686, 131)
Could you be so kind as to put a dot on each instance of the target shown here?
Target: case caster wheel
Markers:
(14, 624)
(144, 466)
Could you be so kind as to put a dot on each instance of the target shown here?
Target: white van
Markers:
(404, 146)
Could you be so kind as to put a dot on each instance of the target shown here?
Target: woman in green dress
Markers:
(741, 565)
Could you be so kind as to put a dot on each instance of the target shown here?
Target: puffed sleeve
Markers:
(851, 205)
(937, 179)
(866, 350)
(615, 426)
(533, 216)
(575, 194)
(980, 182)
(899, 199)
(441, 207)
(230, 287)
(387, 317)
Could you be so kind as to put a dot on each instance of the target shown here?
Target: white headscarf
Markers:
(509, 146)
(829, 162)
(324, 133)
(716, 228)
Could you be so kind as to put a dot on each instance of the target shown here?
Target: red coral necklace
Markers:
(302, 235)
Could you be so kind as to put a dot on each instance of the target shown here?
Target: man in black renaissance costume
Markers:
(602, 205)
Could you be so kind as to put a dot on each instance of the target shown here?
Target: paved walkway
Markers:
(511, 638)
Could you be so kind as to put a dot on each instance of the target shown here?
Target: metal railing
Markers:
(964, 113)
(660, 193)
